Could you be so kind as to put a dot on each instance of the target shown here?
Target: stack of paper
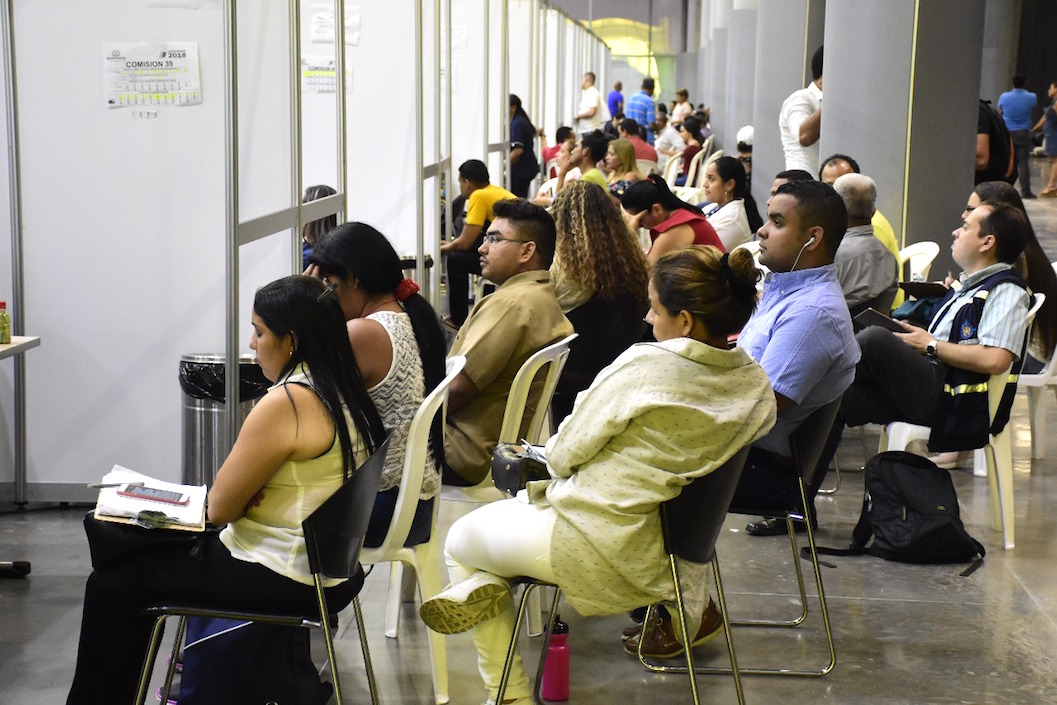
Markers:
(112, 506)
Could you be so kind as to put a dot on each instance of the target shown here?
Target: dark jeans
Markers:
(454, 479)
(520, 186)
(460, 265)
(892, 382)
(1022, 148)
(114, 636)
(384, 506)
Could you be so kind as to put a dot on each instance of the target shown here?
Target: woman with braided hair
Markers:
(400, 348)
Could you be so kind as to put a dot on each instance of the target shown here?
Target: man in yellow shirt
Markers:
(461, 253)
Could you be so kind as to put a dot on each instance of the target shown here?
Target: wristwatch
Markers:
(930, 349)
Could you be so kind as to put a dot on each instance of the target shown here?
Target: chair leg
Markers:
(1037, 421)
(181, 631)
(836, 486)
(799, 619)
(1000, 471)
(371, 684)
(512, 649)
(394, 599)
(722, 600)
(535, 613)
(148, 660)
(684, 630)
(430, 582)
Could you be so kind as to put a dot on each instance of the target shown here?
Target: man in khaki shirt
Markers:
(503, 330)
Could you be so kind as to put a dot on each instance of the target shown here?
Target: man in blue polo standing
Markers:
(641, 108)
(1016, 106)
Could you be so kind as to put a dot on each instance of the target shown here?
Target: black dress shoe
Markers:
(775, 527)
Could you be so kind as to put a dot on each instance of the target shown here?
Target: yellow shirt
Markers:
(883, 231)
(479, 204)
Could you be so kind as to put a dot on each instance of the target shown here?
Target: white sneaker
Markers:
(462, 606)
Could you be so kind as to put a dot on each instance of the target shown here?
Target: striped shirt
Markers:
(1005, 315)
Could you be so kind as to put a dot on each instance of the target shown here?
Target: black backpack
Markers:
(911, 510)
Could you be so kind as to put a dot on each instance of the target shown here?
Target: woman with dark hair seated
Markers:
(733, 208)
(690, 131)
(660, 416)
(400, 347)
(600, 276)
(315, 230)
(672, 222)
(300, 442)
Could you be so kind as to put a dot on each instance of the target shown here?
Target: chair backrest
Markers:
(997, 384)
(920, 255)
(554, 356)
(808, 440)
(551, 164)
(672, 167)
(711, 158)
(646, 166)
(418, 438)
(707, 145)
(693, 519)
(334, 532)
(1049, 370)
(691, 171)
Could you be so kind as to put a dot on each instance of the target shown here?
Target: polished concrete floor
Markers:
(904, 633)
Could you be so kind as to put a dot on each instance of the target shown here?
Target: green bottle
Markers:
(5, 325)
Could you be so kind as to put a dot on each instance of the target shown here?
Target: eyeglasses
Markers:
(493, 238)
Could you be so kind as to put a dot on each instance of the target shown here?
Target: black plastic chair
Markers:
(807, 445)
(334, 536)
(691, 523)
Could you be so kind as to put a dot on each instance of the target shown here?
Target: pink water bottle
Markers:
(556, 670)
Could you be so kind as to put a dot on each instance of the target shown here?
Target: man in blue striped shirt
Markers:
(801, 334)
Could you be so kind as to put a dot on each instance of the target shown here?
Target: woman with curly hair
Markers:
(600, 277)
(622, 167)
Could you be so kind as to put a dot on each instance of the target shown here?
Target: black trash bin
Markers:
(202, 381)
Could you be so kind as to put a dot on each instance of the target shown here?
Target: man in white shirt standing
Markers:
(589, 114)
(667, 141)
(800, 122)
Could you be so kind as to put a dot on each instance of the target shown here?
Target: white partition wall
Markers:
(123, 225)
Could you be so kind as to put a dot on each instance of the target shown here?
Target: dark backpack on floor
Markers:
(911, 510)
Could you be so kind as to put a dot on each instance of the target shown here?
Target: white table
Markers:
(16, 348)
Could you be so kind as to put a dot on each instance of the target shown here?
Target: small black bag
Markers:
(911, 510)
(229, 661)
(513, 467)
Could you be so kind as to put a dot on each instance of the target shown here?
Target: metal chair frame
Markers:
(334, 534)
(806, 444)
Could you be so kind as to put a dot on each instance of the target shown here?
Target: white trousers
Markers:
(507, 538)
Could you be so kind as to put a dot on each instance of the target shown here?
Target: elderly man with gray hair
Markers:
(866, 270)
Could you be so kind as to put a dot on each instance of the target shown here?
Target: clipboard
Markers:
(120, 509)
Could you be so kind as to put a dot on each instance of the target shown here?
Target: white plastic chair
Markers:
(691, 173)
(672, 167)
(552, 164)
(646, 166)
(424, 558)
(996, 456)
(921, 255)
(1036, 385)
(553, 357)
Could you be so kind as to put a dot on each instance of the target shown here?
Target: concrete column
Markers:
(787, 33)
(741, 72)
(998, 61)
(716, 54)
(901, 98)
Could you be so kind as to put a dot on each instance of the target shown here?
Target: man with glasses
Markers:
(521, 317)
(461, 253)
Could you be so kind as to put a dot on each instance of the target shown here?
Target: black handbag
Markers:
(514, 466)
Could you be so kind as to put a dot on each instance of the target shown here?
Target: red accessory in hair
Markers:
(406, 290)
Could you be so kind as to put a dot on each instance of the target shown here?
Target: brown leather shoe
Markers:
(659, 640)
(633, 630)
